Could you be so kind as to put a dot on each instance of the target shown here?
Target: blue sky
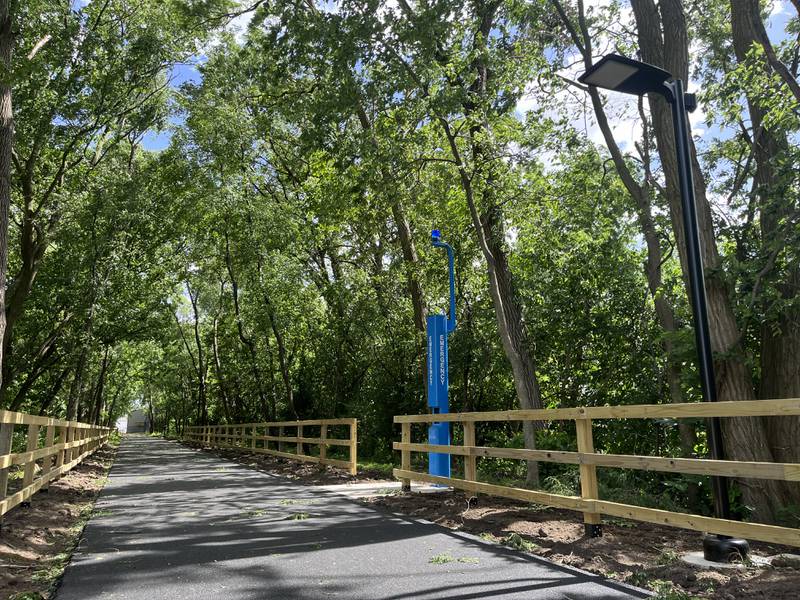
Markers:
(179, 74)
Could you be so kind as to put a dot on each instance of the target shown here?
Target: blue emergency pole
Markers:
(439, 327)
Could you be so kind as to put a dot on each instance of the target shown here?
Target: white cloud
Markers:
(778, 8)
(238, 26)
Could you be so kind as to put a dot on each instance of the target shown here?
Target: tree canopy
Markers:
(219, 211)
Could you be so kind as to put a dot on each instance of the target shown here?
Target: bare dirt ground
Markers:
(36, 543)
(640, 554)
(636, 553)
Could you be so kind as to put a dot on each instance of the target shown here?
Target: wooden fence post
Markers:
(470, 461)
(76, 454)
(253, 441)
(354, 447)
(47, 462)
(62, 439)
(323, 446)
(69, 435)
(30, 467)
(588, 473)
(280, 435)
(299, 443)
(78, 437)
(405, 456)
(6, 434)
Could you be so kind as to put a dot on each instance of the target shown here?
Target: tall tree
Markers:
(6, 150)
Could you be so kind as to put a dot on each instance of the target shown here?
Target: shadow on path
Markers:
(175, 522)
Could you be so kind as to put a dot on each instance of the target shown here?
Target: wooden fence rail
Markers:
(588, 460)
(51, 445)
(248, 436)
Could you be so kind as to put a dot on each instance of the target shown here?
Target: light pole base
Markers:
(724, 549)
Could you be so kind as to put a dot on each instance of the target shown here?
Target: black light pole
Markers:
(625, 75)
(697, 288)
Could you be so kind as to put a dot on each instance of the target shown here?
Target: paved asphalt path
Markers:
(178, 523)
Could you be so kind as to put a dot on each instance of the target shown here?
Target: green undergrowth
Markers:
(666, 590)
(614, 485)
(512, 540)
(382, 468)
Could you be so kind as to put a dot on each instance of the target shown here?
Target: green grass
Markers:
(512, 540)
(53, 568)
(445, 558)
(516, 541)
(293, 501)
(638, 579)
(668, 557)
(666, 590)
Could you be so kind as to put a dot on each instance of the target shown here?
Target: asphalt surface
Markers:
(178, 523)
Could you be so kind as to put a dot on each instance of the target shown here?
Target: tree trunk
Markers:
(112, 407)
(222, 386)
(283, 358)
(508, 312)
(76, 388)
(201, 361)
(513, 332)
(99, 395)
(488, 223)
(150, 414)
(6, 146)
(775, 173)
(54, 389)
(246, 340)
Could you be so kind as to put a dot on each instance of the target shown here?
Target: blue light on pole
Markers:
(438, 329)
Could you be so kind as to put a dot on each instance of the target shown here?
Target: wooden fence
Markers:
(588, 460)
(248, 436)
(52, 447)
